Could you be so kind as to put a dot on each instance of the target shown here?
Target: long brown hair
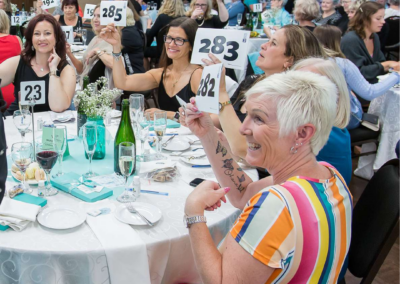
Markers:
(190, 27)
(362, 18)
(329, 36)
(28, 53)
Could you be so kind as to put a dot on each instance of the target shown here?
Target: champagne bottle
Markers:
(124, 134)
(260, 22)
(251, 22)
(23, 7)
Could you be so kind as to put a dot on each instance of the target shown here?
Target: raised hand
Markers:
(53, 60)
(199, 123)
(214, 60)
(111, 35)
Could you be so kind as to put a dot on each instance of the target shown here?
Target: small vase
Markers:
(100, 151)
(81, 120)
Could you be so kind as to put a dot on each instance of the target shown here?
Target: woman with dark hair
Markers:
(70, 17)
(361, 44)
(176, 77)
(200, 11)
(43, 59)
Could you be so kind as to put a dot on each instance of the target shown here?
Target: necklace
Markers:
(41, 68)
(176, 81)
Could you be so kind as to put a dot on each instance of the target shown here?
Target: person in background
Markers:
(328, 12)
(361, 44)
(280, 17)
(138, 7)
(10, 46)
(215, 8)
(346, 4)
(305, 12)
(6, 7)
(295, 226)
(176, 77)
(59, 10)
(3, 150)
(200, 11)
(353, 7)
(98, 49)
(393, 10)
(383, 3)
(329, 37)
(234, 8)
(133, 43)
(43, 59)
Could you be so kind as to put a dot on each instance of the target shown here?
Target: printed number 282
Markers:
(204, 85)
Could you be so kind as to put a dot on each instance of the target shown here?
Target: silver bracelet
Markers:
(117, 56)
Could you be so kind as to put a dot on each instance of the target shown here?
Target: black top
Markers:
(139, 26)
(13, 30)
(161, 21)
(133, 42)
(171, 104)
(354, 49)
(213, 23)
(310, 28)
(26, 73)
(137, 6)
(342, 22)
(3, 150)
(74, 28)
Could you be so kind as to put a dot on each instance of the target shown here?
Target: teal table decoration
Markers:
(170, 124)
(100, 151)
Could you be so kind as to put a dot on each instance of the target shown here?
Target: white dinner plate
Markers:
(176, 145)
(196, 162)
(115, 113)
(61, 218)
(28, 181)
(151, 212)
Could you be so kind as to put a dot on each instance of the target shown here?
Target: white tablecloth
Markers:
(387, 107)
(41, 255)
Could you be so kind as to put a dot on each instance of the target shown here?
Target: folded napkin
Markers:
(126, 252)
(65, 116)
(17, 214)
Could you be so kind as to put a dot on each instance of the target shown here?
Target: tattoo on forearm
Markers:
(240, 169)
(228, 164)
(221, 149)
(242, 178)
(239, 186)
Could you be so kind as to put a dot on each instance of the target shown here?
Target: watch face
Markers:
(220, 106)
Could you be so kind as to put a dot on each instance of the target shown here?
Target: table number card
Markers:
(207, 97)
(49, 4)
(33, 91)
(257, 7)
(113, 12)
(230, 46)
(89, 10)
(69, 33)
(15, 20)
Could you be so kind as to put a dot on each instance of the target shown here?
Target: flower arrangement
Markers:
(94, 102)
(14, 8)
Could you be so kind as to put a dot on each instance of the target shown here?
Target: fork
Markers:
(196, 157)
(131, 209)
(168, 140)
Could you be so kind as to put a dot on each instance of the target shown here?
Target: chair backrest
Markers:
(393, 37)
(375, 219)
(89, 36)
(97, 71)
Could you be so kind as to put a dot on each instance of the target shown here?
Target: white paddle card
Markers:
(257, 7)
(230, 46)
(69, 33)
(33, 91)
(89, 10)
(207, 97)
(49, 4)
(113, 12)
(15, 20)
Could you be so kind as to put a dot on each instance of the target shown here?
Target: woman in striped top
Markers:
(295, 226)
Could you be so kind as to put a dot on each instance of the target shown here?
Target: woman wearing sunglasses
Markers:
(176, 77)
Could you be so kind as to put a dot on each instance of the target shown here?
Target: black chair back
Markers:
(394, 36)
(97, 71)
(375, 222)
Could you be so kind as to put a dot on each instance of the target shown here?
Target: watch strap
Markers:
(195, 219)
(54, 73)
(176, 116)
(224, 104)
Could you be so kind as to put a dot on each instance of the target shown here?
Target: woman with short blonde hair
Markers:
(305, 11)
(5, 5)
(4, 23)
(172, 8)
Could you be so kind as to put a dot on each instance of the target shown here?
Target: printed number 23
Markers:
(204, 84)
(110, 13)
(218, 47)
(38, 94)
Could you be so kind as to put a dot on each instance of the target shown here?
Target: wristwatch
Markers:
(189, 221)
(176, 116)
(54, 73)
(224, 104)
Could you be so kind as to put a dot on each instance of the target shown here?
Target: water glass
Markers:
(90, 142)
(126, 160)
(60, 145)
(22, 120)
(155, 6)
(21, 154)
(47, 159)
(144, 131)
(255, 22)
(239, 18)
(160, 126)
(136, 105)
(84, 36)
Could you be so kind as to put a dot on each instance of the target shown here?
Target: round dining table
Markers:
(103, 249)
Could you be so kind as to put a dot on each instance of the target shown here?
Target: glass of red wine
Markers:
(21, 154)
(47, 159)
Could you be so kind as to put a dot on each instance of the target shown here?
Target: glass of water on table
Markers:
(126, 160)
(160, 126)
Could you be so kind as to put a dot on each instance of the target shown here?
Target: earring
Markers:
(33, 49)
(294, 148)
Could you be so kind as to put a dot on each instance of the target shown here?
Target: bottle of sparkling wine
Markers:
(124, 134)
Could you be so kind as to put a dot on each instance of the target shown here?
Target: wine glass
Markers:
(144, 131)
(239, 19)
(84, 36)
(155, 6)
(126, 159)
(136, 104)
(21, 154)
(160, 126)
(22, 120)
(47, 159)
(90, 142)
(60, 145)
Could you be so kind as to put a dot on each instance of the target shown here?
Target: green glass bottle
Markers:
(23, 7)
(260, 22)
(82, 118)
(124, 134)
(251, 22)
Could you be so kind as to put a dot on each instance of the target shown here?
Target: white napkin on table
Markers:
(125, 251)
(17, 214)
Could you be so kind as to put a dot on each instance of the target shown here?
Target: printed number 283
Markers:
(218, 47)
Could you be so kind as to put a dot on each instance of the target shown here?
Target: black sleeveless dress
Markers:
(25, 73)
(171, 104)
(74, 28)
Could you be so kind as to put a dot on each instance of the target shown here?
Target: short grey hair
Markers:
(307, 10)
(394, 2)
(130, 19)
(332, 71)
(301, 98)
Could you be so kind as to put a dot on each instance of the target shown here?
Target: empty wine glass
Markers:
(144, 131)
(136, 105)
(160, 126)
(90, 142)
(21, 154)
(84, 36)
(126, 160)
(60, 145)
(255, 22)
(22, 120)
(239, 18)
(47, 159)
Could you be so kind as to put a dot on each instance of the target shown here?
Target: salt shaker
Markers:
(136, 186)
(40, 123)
